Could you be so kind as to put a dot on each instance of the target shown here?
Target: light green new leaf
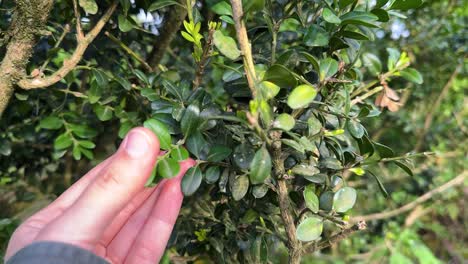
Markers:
(328, 67)
(239, 187)
(226, 45)
(330, 17)
(51, 122)
(285, 122)
(301, 96)
(310, 198)
(89, 6)
(309, 229)
(344, 199)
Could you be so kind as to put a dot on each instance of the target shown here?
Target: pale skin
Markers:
(109, 211)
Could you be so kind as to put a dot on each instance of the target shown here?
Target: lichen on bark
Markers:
(28, 21)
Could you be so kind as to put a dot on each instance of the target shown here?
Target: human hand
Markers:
(108, 211)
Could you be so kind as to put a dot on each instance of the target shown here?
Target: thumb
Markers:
(84, 222)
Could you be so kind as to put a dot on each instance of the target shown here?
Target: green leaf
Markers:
(222, 8)
(381, 14)
(356, 129)
(124, 24)
(319, 178)
(173, 89)
(380, 3)
(280, 75)
(89, 6)
(316, 36)
(285, 122)
(301, 96)
(314, 125)
(218, 153)
(330, 17)
(5, 147)
(190, 120)
(354, 35)
(311, 199)
(226, 45)
(212, 174)
(406, 4)
(63, 141)
(260, 168)
(345, 3)
(326, 201)
(195, 144)
(239, 187)
(180, 153)
(305, 170)
(51, 122)
(243, 155)
(380, 184)
(269, 89)
(101, 78)
(412, 75)
(168, 168)
(359, 18)
(404, 167)
(330, 163)
(103, 112)
(83, 131)
(259, 191)
(161, 132)
(344, 199)
(94, 92)
(310, 229)
(123, 82)
(76, 153)
(384, 151)
(191, 181)
(161, 4)
(328, 67)
(86, 144)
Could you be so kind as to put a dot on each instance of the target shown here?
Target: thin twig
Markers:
(79, 31)
(361, 225)
(207, 50)
(129, 51)
(66, 29)
(377, 216)
(70, 64)
(244, 44)
(359, 99)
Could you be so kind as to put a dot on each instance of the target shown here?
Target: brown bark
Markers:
(28, 21)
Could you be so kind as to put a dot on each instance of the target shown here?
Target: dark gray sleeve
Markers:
(54, 253)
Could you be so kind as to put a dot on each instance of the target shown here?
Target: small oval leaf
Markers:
(168, 168)
(191, 181)
(311, 199)
(260, 168)
(344, 199)
(239, 187)
(309, 229)
(161, 132)
(301, 96)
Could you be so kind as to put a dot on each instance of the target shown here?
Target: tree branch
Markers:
(294, 245)
(28, 21)
(129, 51)
(70, 64)
(361, 225)
(207, 49)
(244, 44)
(383, 215)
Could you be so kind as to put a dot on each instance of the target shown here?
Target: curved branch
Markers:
(377, 216)
(70, 64)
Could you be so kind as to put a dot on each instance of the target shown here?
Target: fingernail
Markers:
(137, 144)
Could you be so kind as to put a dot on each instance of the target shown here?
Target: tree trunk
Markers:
(28, 22)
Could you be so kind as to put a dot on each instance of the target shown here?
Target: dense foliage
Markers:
(296, 112)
